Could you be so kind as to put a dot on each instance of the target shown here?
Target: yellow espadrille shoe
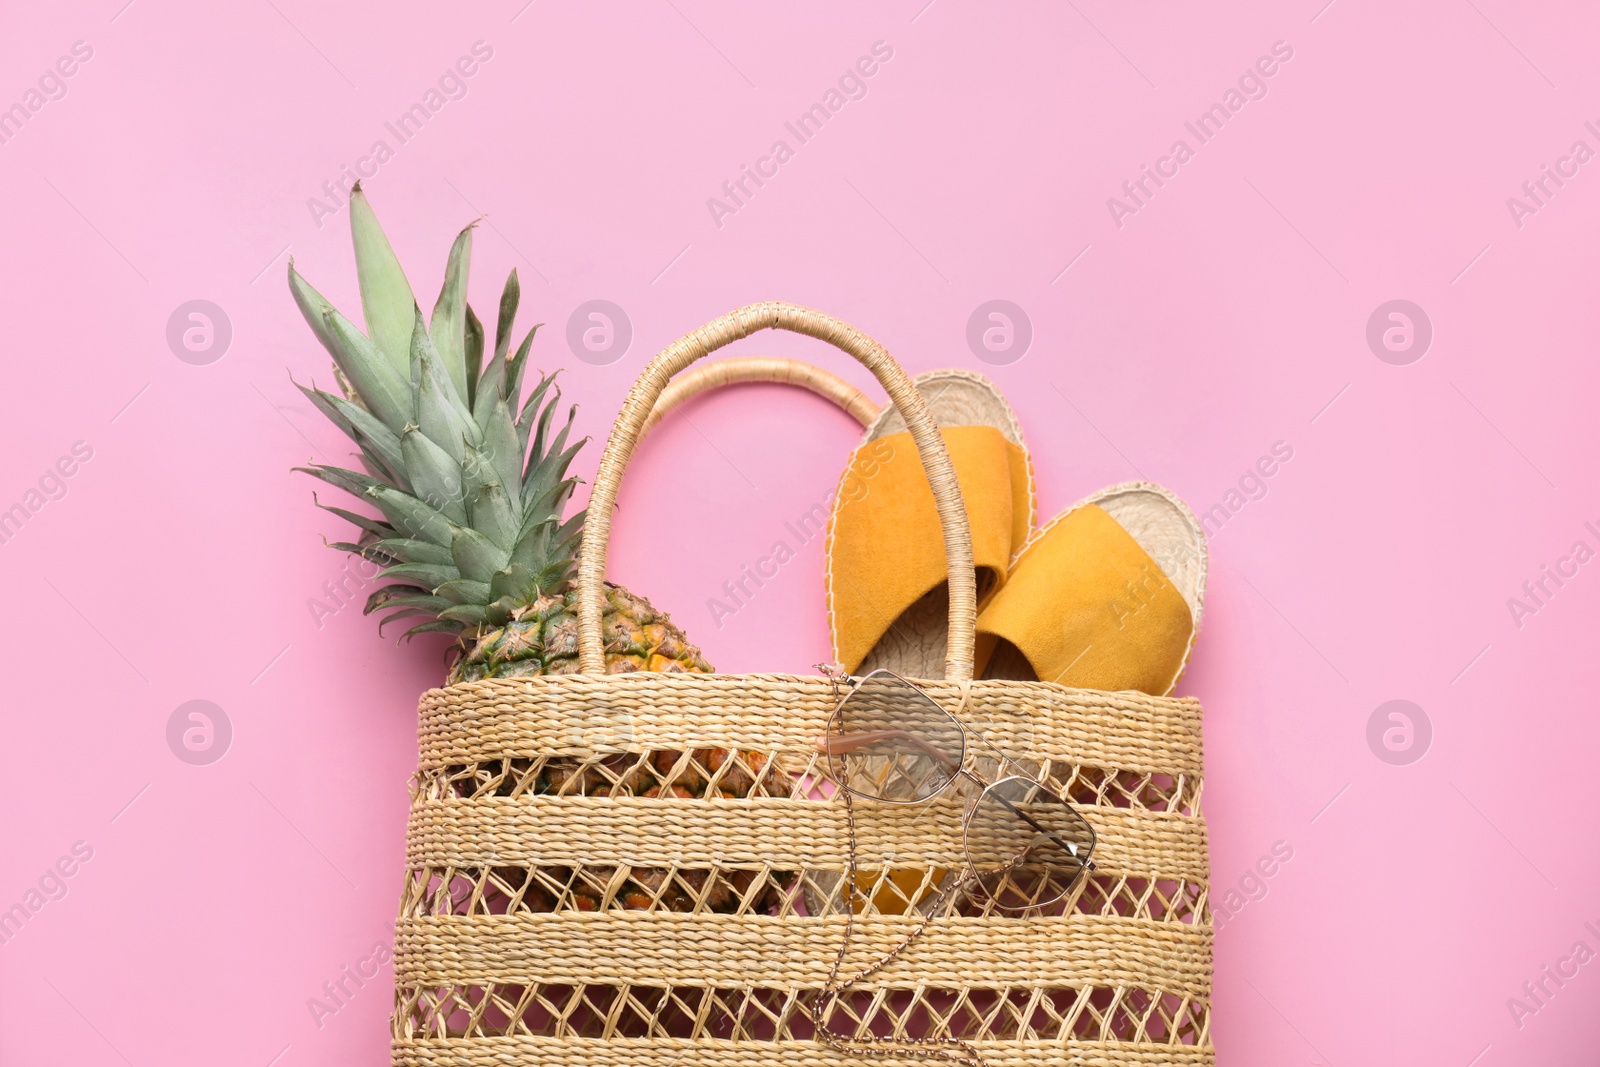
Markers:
(1107, 595)
(887, 596)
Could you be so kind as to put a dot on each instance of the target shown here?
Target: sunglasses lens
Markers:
(889, 741)
(1027, 846)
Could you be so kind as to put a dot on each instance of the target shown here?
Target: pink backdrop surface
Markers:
(1180, 338)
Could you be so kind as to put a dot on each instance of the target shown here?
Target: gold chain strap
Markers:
(935, 1048)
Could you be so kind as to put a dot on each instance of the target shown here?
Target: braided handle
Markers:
(763, 369)
(681, 353)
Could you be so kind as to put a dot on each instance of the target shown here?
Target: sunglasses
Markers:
(888, 741)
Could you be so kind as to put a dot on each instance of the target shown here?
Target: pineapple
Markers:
(471, 538)
(471, 481)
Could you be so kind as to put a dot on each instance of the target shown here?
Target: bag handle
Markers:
(713, 335)
(766, 370)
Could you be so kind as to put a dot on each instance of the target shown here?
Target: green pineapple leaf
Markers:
(410, 516)
(545, 486)
(476, 472)
(464, 591)
(474, 354)
(556, 539)
(476, 556)
(380, 385)
(396, 596)
(407, 550)
(404, 596)
(466, 614)
(531, 551)
(491, 514)
(516, 366)
(439, 410)
(542, 550)
(429, 576)
(407, 613)
(510, 296)
(489, 391)
(386, 297)
(540, 414)
(310, 302)
(435, 476)
(361, 426)
(438, 626)
(492, 383)
(428, 364)
(374, 465)
(448, 325)
(373, 526)
(514, 582)
(351, 482)
(323, 402)
(501, 451)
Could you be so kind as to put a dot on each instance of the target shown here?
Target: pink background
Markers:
(1221, 318)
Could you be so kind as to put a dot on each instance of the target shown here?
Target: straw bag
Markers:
(498, 962)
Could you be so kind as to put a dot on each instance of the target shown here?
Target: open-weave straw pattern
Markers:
(517, 943)
(633, 1052)
(646, 870)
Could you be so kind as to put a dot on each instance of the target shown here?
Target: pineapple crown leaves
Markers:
(469, 478)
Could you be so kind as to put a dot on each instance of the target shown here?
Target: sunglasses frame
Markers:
(830, 745)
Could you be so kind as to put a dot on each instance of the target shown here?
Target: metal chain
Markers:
(935, 1048)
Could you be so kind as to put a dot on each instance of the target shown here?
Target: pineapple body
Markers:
(544, 640)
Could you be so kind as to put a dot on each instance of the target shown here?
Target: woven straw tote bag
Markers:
(616, 930)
